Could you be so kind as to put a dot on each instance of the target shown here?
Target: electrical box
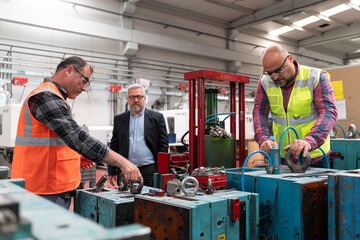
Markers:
(19, 81)
(115, 89)
(9, 117)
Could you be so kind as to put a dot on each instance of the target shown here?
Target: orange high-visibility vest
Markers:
(46, 163)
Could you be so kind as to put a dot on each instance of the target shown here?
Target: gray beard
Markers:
(136, 109)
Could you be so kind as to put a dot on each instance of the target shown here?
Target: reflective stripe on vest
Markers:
(301, 113)
(27, 139)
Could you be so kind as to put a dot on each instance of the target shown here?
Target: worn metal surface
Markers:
(199, 217)
(345, 154)
(167, 221)
(292, 205)
(47, 220)
(344, 205)
(109, 207)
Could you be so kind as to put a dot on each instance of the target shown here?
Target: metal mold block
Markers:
(109, 207)
(42, 219)
(345, 154)
(292, 205)
(343, 205)
(199, 217)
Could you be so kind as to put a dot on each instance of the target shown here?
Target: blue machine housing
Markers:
(38, 218)
(109, 207)
(292, 205)
(343, 205)
(345, 154)
(200, 217)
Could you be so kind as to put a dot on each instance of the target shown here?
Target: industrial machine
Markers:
(292, 205)
(108, 207)
(345, 152)
(213, 146)
(9, 117)
(192, 214)
(343, 205)
(27, 216)
(203, 151)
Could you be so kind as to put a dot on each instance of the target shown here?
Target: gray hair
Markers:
(135, 86)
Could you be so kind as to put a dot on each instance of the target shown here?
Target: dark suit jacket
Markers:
(156, 137)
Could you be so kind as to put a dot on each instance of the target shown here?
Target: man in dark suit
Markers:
(139, 134)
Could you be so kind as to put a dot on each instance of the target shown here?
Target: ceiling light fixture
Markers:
(356, 2)
(306, 21)
(335, 10)
(281, 30)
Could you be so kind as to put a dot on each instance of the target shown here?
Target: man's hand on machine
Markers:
(297, 146)
(265, 146)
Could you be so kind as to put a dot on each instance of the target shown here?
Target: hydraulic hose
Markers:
(246, 160)
(341, 129)
(281, 137)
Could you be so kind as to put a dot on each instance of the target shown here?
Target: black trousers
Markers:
(62, 199)
(147, 173)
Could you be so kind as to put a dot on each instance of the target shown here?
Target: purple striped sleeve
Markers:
(260, 115)
(325, 106)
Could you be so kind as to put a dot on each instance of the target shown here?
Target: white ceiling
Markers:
(338, 35)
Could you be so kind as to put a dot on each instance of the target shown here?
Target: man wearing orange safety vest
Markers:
(50, 146)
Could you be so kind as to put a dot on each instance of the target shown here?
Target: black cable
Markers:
(273, 215)
(186, 133)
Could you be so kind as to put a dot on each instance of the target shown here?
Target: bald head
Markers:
(278, 64)
(274, 51)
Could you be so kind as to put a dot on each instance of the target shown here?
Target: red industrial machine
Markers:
(176, 165)
(197, 80)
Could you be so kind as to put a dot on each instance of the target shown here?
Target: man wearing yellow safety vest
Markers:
(49, 143)
(297, 96)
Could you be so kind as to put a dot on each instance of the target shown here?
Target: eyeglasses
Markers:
(277, 71)
(138, 97)
(85, 80)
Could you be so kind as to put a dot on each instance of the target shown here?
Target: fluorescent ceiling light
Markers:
(306, 21)
(355, 39)
(335, 10)
(356, 2)
(281, 30)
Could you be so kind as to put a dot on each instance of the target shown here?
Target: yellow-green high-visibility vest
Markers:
(301, 113)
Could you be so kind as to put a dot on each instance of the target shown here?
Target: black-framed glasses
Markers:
(277, 71)
(138, 97)
(87, 81)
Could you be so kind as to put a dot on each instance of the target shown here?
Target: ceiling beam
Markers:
(273, 12)
(325, 18)
(232, 6)
(334, 35)
(50, 20)
(353, 56)
(164, 8)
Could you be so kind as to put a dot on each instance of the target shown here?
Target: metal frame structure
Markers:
(215, 78)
